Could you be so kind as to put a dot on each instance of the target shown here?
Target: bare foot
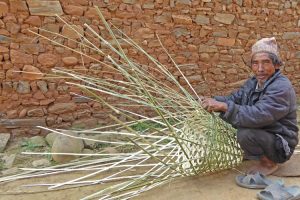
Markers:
(265, 167)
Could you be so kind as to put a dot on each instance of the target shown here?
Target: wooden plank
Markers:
(44, 8)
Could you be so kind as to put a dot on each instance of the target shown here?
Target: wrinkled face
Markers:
(262, 67)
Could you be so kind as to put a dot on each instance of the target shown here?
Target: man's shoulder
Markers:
(281, 82)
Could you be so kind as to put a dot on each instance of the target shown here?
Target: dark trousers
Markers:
(258, 142)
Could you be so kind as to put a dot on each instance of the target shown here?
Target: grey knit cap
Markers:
(268, 45)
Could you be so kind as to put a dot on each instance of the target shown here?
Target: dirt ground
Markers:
(217, 186)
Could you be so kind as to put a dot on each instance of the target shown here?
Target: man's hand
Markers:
(211, 105)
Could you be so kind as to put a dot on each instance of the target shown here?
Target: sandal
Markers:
(254, 181)
(277, 191)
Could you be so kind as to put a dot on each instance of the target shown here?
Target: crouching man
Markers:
(263, 110)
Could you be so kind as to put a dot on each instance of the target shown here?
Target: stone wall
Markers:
(209, 39)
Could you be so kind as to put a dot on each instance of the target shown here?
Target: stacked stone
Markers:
(210, 40)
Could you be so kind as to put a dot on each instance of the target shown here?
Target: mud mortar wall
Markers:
(209, 39)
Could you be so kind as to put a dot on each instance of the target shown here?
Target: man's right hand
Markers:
(212, 105)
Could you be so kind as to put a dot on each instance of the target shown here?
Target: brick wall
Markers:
(209, 39)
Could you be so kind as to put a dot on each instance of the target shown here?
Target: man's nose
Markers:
(260, 67)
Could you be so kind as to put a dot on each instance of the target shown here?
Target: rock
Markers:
(18, 6)
(33, 131)
(132, 2)
(231, 71)
(184, 2)
(39, 95)
(2, 75)
(77, 2)
(11, 114)
(42, 85)
(81, 99)
(31, 73)
(23, 87)
(34, 21)
(194, 78)
(87, 151)
(207, 48)
(60, 108)
(19, 131)
(67, 117)
(43, 8)
(7, 86)
(110, 150)
(12, 74)
(85, 123)
(3, 9)
(164, 18)
(201, 20)
(83, 114)
(32, 48)
(10, 171)
(69, 61)
(45, 102)
(239, 2)
(3, 33)
(22, 122)
(4, 137)
(224, 18)
(180, 32)
(204, 57)
(23, 113)
(41, 163)
(13, 28)
(3, 49)
(8, 160)
(36, 112)
(52, 28)
(226, 42)
(144, 33)
(182, 19)
(18, 57)
(69, 32)
(219, 34)
(50, 138)
(65, 144)
(148, 5)
(290, 35)
(74, 10)
(125, 14)
(47, 59)
(247, 3)
(38, 141)
(90, 144)
(249, 17)
(4, 39)
(243, 36)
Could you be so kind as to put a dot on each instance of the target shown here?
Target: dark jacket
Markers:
(272, 108)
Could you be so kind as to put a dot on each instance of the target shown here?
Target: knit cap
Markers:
(268, 45)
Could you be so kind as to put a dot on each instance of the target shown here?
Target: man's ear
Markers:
(277, 66)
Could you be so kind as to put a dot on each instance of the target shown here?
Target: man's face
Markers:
(262, 67)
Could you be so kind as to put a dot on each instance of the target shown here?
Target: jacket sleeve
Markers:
(235, 97)
(273, 105)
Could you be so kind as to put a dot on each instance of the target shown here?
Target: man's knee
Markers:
(245, 135)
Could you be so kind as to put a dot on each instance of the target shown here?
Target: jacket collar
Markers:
(268, 82)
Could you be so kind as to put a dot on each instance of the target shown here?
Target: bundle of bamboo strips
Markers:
(180, 138)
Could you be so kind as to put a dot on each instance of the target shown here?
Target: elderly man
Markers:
(263, 110)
